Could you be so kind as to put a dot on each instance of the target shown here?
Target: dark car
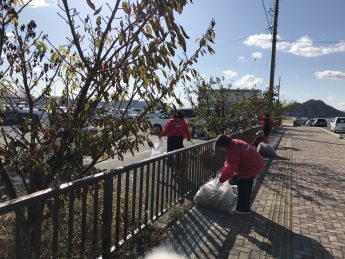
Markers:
(320, 123)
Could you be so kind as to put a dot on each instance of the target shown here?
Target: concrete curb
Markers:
(339, 136)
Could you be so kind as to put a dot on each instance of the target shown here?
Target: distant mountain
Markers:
(316, 109)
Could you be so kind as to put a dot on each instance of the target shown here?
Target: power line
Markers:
(268, 21)
(316, 42)
(241, 38)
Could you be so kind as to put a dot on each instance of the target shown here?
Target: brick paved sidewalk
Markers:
(298, 207)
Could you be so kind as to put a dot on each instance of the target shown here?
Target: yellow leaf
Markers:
(126, 7)
(148, 29)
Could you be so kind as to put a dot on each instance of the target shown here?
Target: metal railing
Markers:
(95, 215)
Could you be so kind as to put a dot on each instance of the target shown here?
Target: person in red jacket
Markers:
(176, 130)
(259, 137)
(267, 124)
(240, 157)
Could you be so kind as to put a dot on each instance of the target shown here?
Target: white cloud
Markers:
(259, 40)
(257, 55)
(332, 97)
(330, 74)
(305, 47)
(229, 74)
(302, 47)
(242, 59)
(248, 81)
(39, 3)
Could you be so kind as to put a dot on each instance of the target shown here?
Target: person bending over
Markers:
(240, 157)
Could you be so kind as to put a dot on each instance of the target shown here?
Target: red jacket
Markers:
(258, 140)
(263, 119)
(241, 158)
(176, 128)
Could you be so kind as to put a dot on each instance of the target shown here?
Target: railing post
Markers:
(183, 174)
(107, 216)
(19, 235)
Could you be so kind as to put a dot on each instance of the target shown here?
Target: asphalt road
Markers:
(144, 153)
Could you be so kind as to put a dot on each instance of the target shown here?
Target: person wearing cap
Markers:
(259, 137)
(240, 157)
(176, 130)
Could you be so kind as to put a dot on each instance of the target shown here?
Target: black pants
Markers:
(175, 143)
(267, 132)
(245, 187)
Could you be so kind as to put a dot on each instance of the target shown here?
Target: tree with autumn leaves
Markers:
(135, 51)
(222, 109)
(119, 52)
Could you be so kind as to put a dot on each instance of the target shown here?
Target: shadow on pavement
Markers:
(289, 148)
(269, 237)
(205, 234)
(318, 141)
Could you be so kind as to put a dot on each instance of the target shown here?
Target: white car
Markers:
(338, 124)
(138, 110)
(159, 121)
(129, 113)
(154, 114)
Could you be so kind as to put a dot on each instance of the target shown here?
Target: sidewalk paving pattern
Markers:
(297, 212)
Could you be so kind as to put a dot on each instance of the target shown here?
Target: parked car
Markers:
(129, 113)
(299, 122)
(114, 113)
(320, 123)
(16, 117)
(310, 123)
(155, 114)
(159, 122)
(138, 110)
(338, 124)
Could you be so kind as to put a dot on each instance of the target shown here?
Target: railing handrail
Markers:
(13, 204)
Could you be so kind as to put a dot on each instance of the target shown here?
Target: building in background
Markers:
(229, 96)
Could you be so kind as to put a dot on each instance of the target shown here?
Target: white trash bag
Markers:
(266, 149)
(216, 196)
(158, 148)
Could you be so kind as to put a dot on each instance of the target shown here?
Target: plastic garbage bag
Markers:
(158, 148)
(216, 196)
(266, 149)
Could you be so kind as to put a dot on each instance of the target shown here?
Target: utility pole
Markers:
(273, 56)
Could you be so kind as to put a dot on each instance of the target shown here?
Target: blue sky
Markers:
(308, 69)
